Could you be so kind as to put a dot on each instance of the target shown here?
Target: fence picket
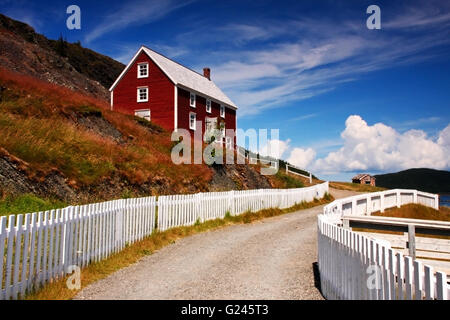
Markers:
(2, 253)
(9, 254)
(344, 257)
(17, 251)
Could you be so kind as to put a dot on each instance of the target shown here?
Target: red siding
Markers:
(161, 94)
(184, 109)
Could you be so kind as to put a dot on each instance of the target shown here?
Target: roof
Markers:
(181, 76)
(361, 176)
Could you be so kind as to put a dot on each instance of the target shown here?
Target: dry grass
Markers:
(354, 187)
(417, 211)
(49, 139)
(131, 254)
(412, 211)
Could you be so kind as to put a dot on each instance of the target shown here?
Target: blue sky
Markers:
(345, 98)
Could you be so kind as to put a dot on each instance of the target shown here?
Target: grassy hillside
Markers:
(44, 125)
(89, 63)
(63, 145)
(434, 181)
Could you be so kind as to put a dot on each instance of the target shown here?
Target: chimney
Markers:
(207, 73)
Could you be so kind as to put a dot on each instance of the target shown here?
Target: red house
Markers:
(173, 96)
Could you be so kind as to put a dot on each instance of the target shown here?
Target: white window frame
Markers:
(195, 121)
(139, 100)
(222, 111)
(138, 113)
(208, 106)
(190, 99)
(139, 70)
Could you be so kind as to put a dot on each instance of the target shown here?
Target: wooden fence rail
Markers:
(355, 266)
(37, 248)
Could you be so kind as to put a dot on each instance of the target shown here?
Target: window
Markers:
(222, 111)
(144, 113)
(210, 127)
(192, 100)
(208, 105)
(210, 124)
(192, 121)
(142, 94)
(143, 70)
(228, 143)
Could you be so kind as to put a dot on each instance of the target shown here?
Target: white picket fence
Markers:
(37, 248)
(354, 266)
(186, 210)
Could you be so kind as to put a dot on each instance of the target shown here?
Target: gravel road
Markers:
(269, 259)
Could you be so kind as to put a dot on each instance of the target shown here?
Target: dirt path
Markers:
(268, 259)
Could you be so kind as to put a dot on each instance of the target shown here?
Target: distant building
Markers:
(364, 178)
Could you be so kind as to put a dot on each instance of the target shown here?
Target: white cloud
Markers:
(444, 139)
(302, 157)
(305, 117)
(135, 12)
(379, 147)
(236, 72)
(274, 148)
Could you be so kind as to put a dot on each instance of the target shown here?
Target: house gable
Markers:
(161, 96)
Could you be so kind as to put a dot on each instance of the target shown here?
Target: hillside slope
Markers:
(65, 145)
(56, 61)
(434, 181)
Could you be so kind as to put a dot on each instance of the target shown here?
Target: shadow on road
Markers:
(315, 267)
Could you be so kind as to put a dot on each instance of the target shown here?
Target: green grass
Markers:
(27, 203)
(290, 182)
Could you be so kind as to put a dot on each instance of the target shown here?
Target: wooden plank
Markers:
(39, 250)
(9, 254)
(392, 275)
(51, 248)
(441, 286)
(57, 234)
(2, 253)
(45, 264)
(62, 241)
(23, 277)
(429, 283)
(400, 276)
(418, 285)
(17, 254)
(409, 278)
(32, 273)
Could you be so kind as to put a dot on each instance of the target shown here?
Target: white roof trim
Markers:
(181, 76)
